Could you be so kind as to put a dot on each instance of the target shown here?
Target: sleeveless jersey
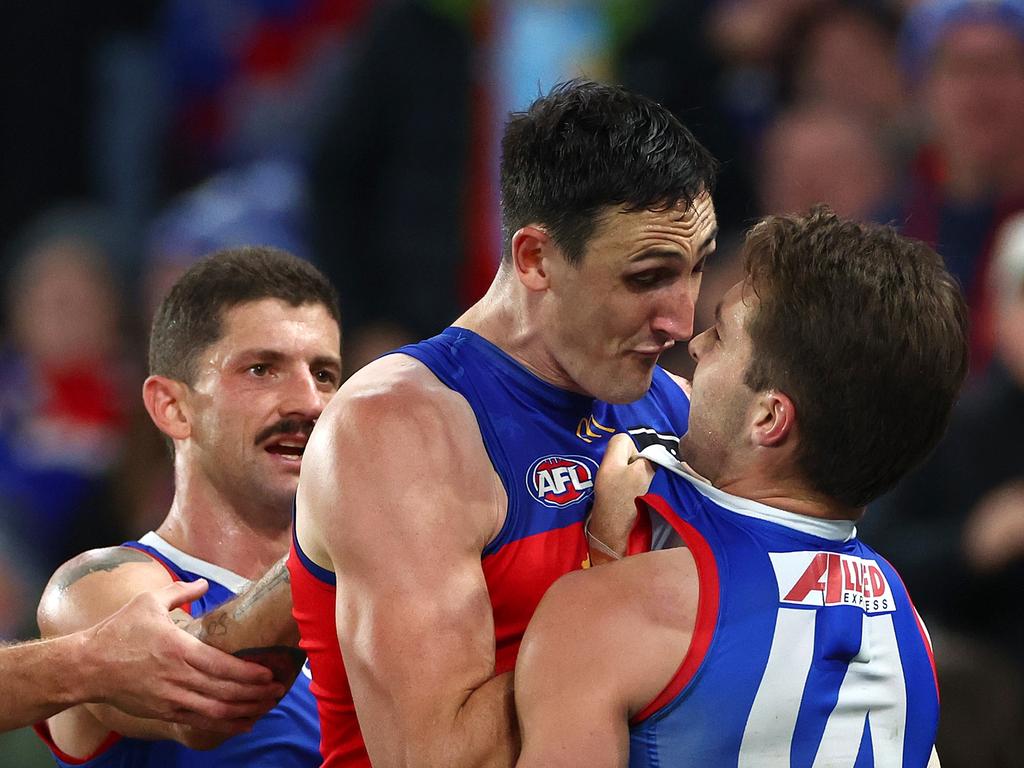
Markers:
(806, 651)
(545, 444)
(286, 737)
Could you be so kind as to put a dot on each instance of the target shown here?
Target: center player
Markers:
(445, 488)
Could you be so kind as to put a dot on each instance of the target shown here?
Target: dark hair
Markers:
(586, 146)
(866, 332)
(189, 318)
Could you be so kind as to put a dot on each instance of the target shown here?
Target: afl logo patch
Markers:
(558, 481)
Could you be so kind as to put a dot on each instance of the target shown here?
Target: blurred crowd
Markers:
(362, 134)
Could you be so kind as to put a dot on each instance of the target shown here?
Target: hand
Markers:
(994, 533)
(148, 667)
(622, 476)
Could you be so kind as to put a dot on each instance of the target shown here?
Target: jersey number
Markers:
(872, 692)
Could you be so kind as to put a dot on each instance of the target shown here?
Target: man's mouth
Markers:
(653, 349)
(288, 447)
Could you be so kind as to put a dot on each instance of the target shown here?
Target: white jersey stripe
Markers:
(777, 702)
(873, 684)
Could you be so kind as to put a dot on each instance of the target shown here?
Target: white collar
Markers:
(229, 579)
(835, 530)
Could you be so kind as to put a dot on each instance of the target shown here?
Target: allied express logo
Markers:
(832, 578)
(558, 481)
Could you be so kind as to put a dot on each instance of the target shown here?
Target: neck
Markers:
(788, 493)
(508, 317)
(207, 525)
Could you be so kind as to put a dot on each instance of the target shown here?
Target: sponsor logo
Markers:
(558, 481)
(585, 430)
(830, 578)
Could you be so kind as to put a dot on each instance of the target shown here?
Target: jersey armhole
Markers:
(926, 637)
(43, 732)
(186, 607)
(707, 607)
(318, 572)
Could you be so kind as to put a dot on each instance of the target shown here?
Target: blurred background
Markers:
(363, 135)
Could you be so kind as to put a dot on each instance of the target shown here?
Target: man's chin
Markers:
(622, 387)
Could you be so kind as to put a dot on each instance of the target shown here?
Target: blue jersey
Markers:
(806, 651)
(286, 737)
(545, 444)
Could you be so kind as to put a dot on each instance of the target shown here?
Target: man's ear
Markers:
(775, 419)
(530, 245)
(165, 401)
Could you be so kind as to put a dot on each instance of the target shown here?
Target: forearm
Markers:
(486, 729)
(151, 729)
(261, 617)
(482, 733)
(42, 678)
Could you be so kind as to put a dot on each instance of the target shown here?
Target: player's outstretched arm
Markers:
(622, 476)
(602, 645)
(398, 497)
(115, 602)
(257, 625)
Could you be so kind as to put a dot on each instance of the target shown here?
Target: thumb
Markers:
(620, 450)
(179, 592)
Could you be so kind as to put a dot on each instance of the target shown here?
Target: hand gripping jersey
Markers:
(286, 737)
(545, 444)
(806, 652)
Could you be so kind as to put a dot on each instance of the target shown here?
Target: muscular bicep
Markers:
(90, 587)
(403, 500)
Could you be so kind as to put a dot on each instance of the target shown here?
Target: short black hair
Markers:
(586, 146)
(189, 318)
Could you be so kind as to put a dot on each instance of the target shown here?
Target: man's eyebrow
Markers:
(709, 240)
(274, 356)
(656, 253)
(271, 355)
(326, 361)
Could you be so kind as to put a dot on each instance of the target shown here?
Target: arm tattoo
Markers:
(104, 560)
(277, 577)
(209, 625)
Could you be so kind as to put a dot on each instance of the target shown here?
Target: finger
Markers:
(642, 470)
(179, 592)
(218, 666)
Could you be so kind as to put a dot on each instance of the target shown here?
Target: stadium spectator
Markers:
(63, 385)
(967, 58)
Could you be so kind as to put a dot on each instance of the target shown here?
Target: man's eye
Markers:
(259, 369)
(646, 279)
(327, 376)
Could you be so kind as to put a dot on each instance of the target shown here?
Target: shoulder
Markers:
(655, 587)
(395, 388)
(92, 585)
(397, 448)
(635, 617)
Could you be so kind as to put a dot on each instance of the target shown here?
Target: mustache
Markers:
(286, 427)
